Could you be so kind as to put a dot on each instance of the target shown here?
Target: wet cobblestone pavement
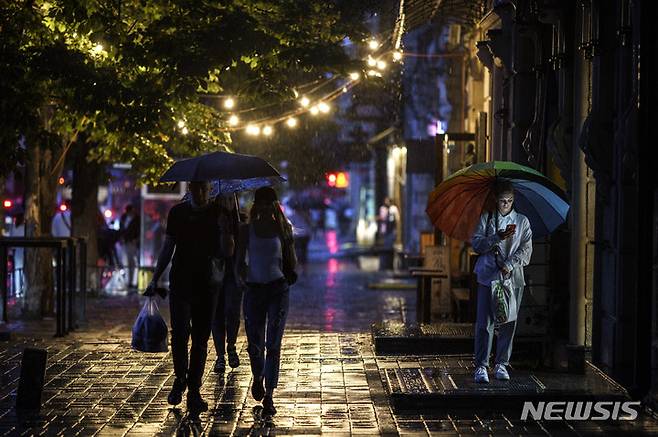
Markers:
(330, 379)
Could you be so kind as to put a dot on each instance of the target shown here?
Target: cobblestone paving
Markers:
(330, 381)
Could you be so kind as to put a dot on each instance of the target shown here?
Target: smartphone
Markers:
(511, 227)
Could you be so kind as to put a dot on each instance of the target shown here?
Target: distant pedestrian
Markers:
(503, 239)
(266, 263)
(470, 157)
(129, 230)
(196, 237)
(226, 321)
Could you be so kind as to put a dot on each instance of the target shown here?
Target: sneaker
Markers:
(233, 358)
(500, 372)
(195, 402)
(268, 406)
(220, 365)
(176, 394)
(257, 389)
(481, 375)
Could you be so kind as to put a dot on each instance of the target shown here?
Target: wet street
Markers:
(330, 379)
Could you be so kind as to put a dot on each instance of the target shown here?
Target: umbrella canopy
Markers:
(229, 186)
(219, 166)
(457, 203)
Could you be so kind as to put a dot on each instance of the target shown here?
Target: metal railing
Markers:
(69, 275)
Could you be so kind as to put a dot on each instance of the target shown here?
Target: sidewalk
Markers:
(331, 380)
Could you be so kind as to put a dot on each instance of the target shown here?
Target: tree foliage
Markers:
(124, 74)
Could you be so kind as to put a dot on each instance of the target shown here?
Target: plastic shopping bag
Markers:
(503, 301)
(150, 329)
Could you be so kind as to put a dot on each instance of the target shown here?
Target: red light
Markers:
(61, 181)
(331, 179)
(7, 203)
(63, 207)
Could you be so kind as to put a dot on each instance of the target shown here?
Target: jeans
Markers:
(226, 323)
(484, 330)
(191, 315)
(265, 313)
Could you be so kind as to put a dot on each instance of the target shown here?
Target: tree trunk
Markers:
(84, 207)
(40, 196)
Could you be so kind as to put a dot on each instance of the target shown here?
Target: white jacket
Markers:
(514, 252)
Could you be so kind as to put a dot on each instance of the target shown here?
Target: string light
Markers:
(314, 110)
(291, 122)
(381, 65)
(323, 107)
(371, 61)
(181, 124)
(233, 120)
(252, 130)
(229, 103)
(304, 101)
(98, 48)
(354, 75)
(397, 55)
(374, 73)
(185, 131)
(373, 44)
(267, 130)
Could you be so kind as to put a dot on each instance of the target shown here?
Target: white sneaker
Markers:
(500, 372)
(481, 375)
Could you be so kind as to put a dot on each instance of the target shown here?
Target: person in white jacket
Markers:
(503, 238)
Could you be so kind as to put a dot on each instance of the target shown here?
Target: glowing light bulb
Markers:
(229, 103)
(374, 73)
(253, 130)
(233, 120)
(397, 55)
(354, 75)
(323, 107)
(304, 101)
(267, 130)
(108, 213)
(381, 65)
(98, 48)
(185, 130)
(314, 110)
(291, 122)
(371, 61)
(181, 124)
(373, 44)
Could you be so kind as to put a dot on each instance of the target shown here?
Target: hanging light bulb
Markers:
(314, 110)
(374, 73)
(354, 75)
(267, 130)
(98, 48)
(373, 44)
(323, 107)
(181, 124)
(371, 61)
(397, 55)
(252, 130)
(304, 101)
(233, 120)
(185, 131)
(291, 122)
(381, 65)
(229, 103)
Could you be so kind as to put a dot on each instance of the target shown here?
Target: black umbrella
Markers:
(218, 166)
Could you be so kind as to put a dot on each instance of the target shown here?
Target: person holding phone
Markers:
(503, 238)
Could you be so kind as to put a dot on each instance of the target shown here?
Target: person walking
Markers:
(226, 321)
(503, 238)
(196, 236)
(265, 260)
(129, 229)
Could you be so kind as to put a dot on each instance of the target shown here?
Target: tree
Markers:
(124, 81)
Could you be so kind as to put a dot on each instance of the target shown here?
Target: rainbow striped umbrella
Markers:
(457, 203)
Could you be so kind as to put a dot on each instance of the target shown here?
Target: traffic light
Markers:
(338, 179)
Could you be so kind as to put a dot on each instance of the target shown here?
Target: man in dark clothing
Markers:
(196, 230)
(129, 229)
